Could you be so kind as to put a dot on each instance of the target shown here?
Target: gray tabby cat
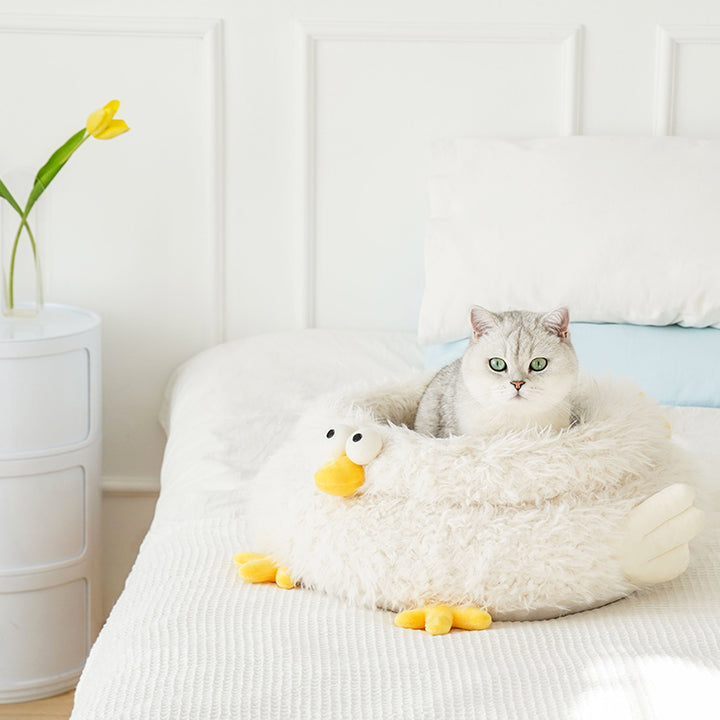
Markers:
(518, 371)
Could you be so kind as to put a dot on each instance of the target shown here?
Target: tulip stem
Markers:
(24, 224)
(11, 283)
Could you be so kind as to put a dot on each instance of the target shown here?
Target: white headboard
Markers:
(274, 176)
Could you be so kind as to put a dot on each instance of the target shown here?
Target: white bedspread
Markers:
(189, 640)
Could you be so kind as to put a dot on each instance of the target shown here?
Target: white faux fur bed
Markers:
(188, 640)
(528, 524)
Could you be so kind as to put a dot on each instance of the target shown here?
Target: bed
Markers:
(187, 639)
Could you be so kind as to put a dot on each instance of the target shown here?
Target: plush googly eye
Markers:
(335, 439)
(363, 445)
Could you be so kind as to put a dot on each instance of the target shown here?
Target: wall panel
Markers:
(376, 95)
(688, 65)
(131, 228)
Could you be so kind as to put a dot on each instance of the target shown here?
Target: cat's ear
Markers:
(481, 320)
(557, 322)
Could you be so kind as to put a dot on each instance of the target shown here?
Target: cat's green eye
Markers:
(498, 364)
(538, 364)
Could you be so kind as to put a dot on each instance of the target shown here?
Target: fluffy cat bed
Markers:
(532, 524)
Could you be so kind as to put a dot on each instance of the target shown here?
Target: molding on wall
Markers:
(571, 93)
(171, 27)
(667, 42)
(310, 34)
(216, 62)
(130, 486)
(209, 31)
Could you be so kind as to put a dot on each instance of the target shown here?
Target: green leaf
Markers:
(52, 167)
(4, 192)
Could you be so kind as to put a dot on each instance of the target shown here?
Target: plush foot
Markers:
(258, 568)
(440, 619)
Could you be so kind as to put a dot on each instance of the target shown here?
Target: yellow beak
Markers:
(340, 476)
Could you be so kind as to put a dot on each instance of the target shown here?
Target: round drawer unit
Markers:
(50, 456)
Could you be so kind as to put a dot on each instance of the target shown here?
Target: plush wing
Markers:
(655, 547)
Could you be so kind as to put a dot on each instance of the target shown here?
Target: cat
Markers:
(518, 371)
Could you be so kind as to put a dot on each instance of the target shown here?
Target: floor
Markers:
(54, 708)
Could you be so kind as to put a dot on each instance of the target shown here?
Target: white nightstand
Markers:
(50, 438)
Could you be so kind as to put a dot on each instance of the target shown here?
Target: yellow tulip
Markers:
(113, 129)
(101, 125)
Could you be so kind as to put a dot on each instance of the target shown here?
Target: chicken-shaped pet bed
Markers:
(453, 532)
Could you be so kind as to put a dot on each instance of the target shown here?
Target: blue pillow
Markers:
(673, 364)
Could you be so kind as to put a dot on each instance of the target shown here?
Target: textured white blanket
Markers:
(188, 640)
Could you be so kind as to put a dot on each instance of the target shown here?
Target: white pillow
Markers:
(622, 230)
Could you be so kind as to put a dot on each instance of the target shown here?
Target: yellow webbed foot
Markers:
(259, 568)
(440, 619)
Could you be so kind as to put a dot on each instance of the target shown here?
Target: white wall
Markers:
(275, 168)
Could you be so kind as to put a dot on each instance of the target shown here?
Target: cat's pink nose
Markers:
(517, 384)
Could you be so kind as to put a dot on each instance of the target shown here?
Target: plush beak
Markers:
(340, 476)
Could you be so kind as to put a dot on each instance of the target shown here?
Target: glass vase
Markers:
(21, 270)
